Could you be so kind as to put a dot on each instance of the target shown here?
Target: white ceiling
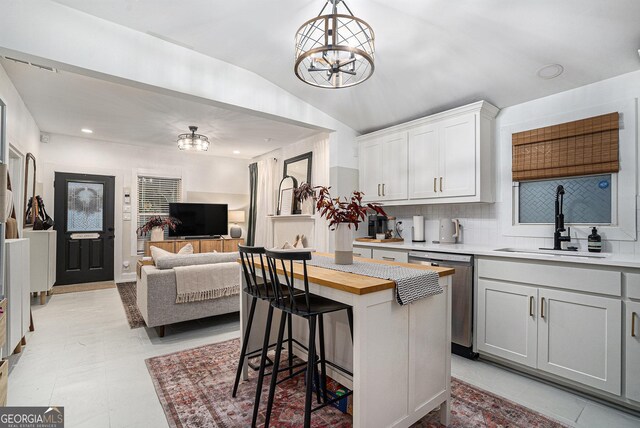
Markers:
(64, 103)
(430, 54)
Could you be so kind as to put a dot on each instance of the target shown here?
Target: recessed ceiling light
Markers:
(87, 131)
(550, 71)
(236, 152)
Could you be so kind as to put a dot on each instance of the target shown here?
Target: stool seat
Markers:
(317, 305)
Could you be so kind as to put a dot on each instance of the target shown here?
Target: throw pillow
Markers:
(156, 253)
(187, 249)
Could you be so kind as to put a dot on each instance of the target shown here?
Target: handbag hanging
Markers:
(47, 221)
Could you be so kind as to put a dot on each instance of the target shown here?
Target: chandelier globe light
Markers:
(193, 141)
(335, 50)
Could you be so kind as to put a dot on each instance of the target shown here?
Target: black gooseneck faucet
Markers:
(558, 238)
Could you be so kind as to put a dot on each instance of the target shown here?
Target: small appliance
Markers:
(449, 230)
(377, 225)
(417, 231)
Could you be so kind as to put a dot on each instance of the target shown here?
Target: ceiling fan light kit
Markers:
(334, 50)
(193, 141)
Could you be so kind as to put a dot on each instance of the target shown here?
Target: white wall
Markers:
(483, 224)
(205, 178)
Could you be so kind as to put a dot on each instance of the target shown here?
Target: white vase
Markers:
(307, 206)
(157, 234)
(344, 244)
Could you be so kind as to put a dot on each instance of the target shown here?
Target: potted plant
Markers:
(305, 195)
(156, 225)
(342, 214)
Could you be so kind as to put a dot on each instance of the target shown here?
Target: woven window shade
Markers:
(583, 147)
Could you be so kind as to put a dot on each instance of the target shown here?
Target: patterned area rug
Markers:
(194, 388)
(127, 291)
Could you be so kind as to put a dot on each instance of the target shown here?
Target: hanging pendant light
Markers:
(193, 141)
(334, 50)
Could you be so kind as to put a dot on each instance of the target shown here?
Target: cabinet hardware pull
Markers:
(542, 307)
(383, 189)
(391, 259)
(379, 190)
(633, 324)
(441, 184)
(435, 182)
(530, 306)
(357, 254)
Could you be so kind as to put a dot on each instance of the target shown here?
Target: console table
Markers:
(204, 245)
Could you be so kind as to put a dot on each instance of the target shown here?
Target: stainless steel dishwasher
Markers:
(461, 296)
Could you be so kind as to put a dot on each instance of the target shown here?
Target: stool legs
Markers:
(311, 362)
(290, 343)
(323, 365)
(274, 375)
(245, 342)
(263, 363)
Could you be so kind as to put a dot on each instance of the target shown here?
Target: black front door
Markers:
(84, 222)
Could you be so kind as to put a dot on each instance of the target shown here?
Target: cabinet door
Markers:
(424, 159)
(507, 321)
(371, 170)
(362, 252)
(211, 245)
(394, 167)
(579, 338)
(391, 255)
(458, 156)
(632, 342)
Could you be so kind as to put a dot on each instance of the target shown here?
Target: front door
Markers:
(84, 224)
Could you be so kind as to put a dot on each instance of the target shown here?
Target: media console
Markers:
(200, 245)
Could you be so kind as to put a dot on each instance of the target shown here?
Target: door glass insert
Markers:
(85, 208)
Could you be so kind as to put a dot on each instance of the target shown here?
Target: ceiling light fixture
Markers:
(87, 131)
(334, 50)
(193, 141)
(236, 152)
(550, 71)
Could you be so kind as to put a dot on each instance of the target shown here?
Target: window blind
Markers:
(154, 196)
(583, 147)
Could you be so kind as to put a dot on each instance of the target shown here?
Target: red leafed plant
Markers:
(157, 221)
(349, 211)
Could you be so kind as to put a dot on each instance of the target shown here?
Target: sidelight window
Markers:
(154, 196)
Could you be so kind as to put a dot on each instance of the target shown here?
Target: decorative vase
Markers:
(307, 206)
(344, 244)
(157, 234)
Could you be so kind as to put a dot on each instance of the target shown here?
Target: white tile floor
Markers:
(84, 356)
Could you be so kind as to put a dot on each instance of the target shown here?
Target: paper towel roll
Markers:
(418, 228)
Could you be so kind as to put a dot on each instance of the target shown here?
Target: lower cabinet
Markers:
(362, 252)
(391, 255)
(572, 335)
(632, 345)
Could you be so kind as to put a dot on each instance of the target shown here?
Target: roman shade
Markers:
(582, 147)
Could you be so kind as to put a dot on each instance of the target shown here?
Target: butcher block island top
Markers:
(351, 282)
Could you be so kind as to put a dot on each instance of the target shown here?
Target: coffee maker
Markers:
(377, 224)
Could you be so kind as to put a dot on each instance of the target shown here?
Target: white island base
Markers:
(400, 356)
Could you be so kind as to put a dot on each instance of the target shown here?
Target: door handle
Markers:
(383, 189)
(435, 182)
(379, 190)
(633, 324)
(542, 307)
(441, 184)
(530, 306)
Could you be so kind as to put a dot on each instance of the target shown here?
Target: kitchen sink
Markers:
(553, 253)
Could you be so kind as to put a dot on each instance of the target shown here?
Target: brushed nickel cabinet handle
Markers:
(379, 190)
(391, 259)
(383, 190)
(435, 182)
(530, 306)
(441, 184)
(357, 254)
(542, 307)
(633, 324)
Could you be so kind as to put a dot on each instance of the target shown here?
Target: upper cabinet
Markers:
(444, 158)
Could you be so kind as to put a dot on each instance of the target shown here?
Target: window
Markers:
(587, 200)
(154, 196)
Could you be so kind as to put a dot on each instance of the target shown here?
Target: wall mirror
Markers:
(299, 168)
(29, 186)
(286, 201)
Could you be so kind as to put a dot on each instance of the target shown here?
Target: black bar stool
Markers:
(259, 289)
(312, 308)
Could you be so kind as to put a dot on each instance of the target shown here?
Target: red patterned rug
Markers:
(194, 388)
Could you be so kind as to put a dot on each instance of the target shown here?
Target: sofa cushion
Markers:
(169, 262)
(156, 252)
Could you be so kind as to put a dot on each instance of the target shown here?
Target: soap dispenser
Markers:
(595, 241)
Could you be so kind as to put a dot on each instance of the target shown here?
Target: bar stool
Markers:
(259, 289)
(312, 308)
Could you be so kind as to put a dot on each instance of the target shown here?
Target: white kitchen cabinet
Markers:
(17, 292)
(362, 252)
(390, 255)
(43, 260)
(443, 158)
(632, 346)
(579, 338)
(383, 168)
(507, 325)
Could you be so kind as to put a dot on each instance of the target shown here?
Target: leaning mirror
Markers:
(286, 201)
(299, 168)
(29, 187)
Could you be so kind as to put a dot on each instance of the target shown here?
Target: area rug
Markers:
(127, 291)
(194, 388)
(88, 286)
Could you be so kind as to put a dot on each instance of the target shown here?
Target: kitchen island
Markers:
(400, 356)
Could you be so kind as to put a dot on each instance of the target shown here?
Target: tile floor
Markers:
(84, 356)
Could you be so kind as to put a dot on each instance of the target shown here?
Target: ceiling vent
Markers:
(39, 66)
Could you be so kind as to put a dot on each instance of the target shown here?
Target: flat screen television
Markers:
(199, 219)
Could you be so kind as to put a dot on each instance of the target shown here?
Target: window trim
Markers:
(626, 196)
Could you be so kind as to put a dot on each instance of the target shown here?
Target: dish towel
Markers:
(411, 284)
(205, 282)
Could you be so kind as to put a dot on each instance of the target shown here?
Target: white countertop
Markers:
(620, 260)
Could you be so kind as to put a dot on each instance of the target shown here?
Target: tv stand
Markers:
(200, 245)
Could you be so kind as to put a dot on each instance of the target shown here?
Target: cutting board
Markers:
(379, 241)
